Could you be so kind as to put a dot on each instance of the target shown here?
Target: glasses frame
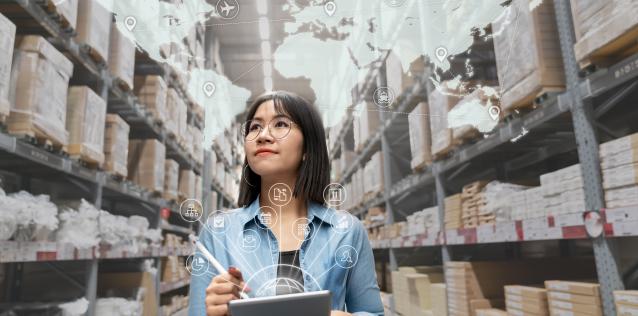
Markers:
(270, 128)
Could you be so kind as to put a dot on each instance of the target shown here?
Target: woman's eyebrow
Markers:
(258, 118)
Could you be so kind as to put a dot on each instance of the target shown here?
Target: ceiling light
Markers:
(266, 52)
(264, 28)
(267, 65)
(268, 83)
(262, 8)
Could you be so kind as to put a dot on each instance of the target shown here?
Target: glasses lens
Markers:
(280, 127)
(251, 129)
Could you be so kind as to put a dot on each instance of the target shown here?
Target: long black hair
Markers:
(314, 171)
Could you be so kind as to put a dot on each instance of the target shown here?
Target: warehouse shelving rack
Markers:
(99, 188)
(564, 125)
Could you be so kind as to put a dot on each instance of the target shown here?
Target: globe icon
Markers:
(279, 286)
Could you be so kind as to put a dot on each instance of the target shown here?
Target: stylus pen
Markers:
(212, 260)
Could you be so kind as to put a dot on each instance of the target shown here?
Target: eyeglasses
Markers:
(278, 128)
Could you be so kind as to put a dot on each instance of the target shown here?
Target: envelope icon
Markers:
(249, 242)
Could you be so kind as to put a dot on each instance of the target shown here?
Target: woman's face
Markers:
(269, 156)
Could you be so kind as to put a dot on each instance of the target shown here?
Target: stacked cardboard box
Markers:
(526, 300)
(212, 202)
(172, 100)
(85, 121)
(491, 312)
(604, 29)
(94, 27)
(528, 54)
(626, 303)
(186, 188)
(573, 298)
(472, 202)
(619, 164)
(365, 123)
(116, 133)
(441, 101)
(453, 209)
(420, 138)
(465, 110)
(39, 85)
(563, 190)
(411, 287)
(7, 39)
(171, 180)
(535, 203)
(173, 269)
(399, 79)
(146, 163)
(182, 126)
(151, 92)
(373, 176)
(121, 58)
(66, 10)
(439, 299)
(198, 143)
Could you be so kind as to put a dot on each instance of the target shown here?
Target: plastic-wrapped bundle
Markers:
(79, 227)
(121, 57)
(154, 236)
(93, 27)
(151, 91)
(75, 308)
(116, 134)
(171, 179)
(117, 306)
(114, 230)
(85, 118)
(146, 163)
(8, 224)
(138, 225)
(36, 216)
(498, 201)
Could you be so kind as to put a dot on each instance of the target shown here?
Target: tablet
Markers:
(307, 304)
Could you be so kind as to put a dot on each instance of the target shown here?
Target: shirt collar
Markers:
(315, 210)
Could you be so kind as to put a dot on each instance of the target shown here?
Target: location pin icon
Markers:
(495, 112)
(440, 53)
(330, 7)
(209, 88)
(130, 23)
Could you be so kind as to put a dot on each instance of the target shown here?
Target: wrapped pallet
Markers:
(171, 109)
(182, 125)
(186, 188)
(373, 175)
(171, 180)
(67, 11)
(38, 94)
(121, 58)
(146, 161)
(399, 78)
(441, 101)
(152, 93)
(528, 56)
(198, 143)
(94, 27)
(198, 188)
(85, 118)
(116, 145)
(7, 39)
(420, 140)
(605, 30)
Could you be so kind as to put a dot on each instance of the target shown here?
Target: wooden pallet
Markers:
(85, 156)
(122, 84)
(94, 55)
(32, 134)
(531, 101)
(57, 16)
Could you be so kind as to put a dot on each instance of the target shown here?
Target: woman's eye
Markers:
(281, 124)
(254, 127)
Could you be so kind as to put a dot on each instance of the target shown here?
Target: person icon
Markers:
(346, 258)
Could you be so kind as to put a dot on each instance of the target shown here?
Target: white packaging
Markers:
(121, 57)
(79, 227)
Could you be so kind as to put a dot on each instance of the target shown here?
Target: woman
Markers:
(285, 239)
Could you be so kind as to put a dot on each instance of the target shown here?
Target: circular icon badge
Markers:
(383, 97)
(218, 222)
(280, 194)
(334, 194)
(342, 221)
(227, 9)
(250, 241)
(301, 229)
(197, 264)
(191, 210)
(346, 256)
(267, 217)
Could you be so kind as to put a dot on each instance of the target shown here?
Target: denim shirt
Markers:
(335, 256)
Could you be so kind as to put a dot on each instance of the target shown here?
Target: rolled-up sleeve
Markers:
(199, 283)
(362, 293)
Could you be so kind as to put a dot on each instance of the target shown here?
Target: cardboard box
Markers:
(440, 102)
(146, 161)
(121, 57)
(116, 133)
(94, 28)
(420, 138)
(619, 145)
(38, 94)
(171, 180)
(85, 121)
(67, 10)
(626, 310)
(626, 297)
(186, 189)
(581, 288)
(491, 312)
(151, 91)
(373, 175)
(411, 288)
(110, 284)
(625, 175)
(198, 143)
(366, 123)
(574, 298)
(576, 307)
(400, 79)
(528, 56)
(439, 299)
(7, 39)
(198, 188)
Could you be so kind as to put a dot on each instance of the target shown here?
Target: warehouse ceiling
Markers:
(241, 47)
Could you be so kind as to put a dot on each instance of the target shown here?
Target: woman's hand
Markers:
(339, 313)
(223, 289)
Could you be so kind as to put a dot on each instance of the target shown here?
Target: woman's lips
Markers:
(264, 153)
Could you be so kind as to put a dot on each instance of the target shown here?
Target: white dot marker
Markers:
(209, 88)
(441, 53)
(130, 23)
(330, 7)
(495, 112)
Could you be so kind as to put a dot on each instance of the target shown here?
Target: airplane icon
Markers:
(226, 8)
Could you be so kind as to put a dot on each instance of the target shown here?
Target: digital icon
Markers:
(266, 218)
(346, 256)
(209, 89)
(130, 22)
(191, 210)
(440, 53)
(218, 221)
(279, 194)
(301, 229)
(383, 97)
(227, 9)
(196, 264)
(330, 7)
(334, 194)
(495, 112)
(343, 221)
(250, 241)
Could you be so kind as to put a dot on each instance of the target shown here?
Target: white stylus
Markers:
(212, 260)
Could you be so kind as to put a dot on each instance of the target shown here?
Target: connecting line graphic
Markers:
(324, 272)
(324, 246)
